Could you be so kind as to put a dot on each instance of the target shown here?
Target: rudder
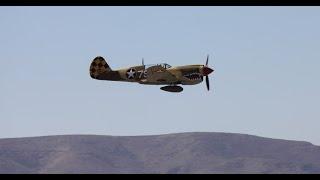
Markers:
(98, 66)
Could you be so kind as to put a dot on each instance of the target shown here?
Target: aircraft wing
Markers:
(160, 74)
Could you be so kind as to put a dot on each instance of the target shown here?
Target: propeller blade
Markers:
(207, 83)
(142, 62)
(207, 60)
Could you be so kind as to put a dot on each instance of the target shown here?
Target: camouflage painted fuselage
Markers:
(154, 75)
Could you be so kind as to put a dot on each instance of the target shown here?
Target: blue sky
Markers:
(266, 79)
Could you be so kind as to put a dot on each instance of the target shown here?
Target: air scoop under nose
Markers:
(206, 70)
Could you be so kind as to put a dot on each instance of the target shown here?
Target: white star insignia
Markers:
(131, 74)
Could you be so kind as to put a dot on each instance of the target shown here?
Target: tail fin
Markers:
(98, 66)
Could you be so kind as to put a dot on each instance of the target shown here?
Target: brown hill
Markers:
(171, 153)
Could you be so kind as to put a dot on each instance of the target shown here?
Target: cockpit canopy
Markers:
(164, 65)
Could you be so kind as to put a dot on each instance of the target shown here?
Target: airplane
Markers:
(156, 74)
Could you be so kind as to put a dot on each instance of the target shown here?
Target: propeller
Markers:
(206, 72)
(207, 60)
(207, 82)
(142, 62)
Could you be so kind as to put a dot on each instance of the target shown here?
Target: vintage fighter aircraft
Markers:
(159, 74)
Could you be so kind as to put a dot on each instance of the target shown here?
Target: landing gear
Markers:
(172, 88)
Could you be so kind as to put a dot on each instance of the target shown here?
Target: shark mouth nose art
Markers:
(194, 76)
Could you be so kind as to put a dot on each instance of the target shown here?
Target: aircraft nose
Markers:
(206, 70)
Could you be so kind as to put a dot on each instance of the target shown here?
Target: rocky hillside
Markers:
(171, 153)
